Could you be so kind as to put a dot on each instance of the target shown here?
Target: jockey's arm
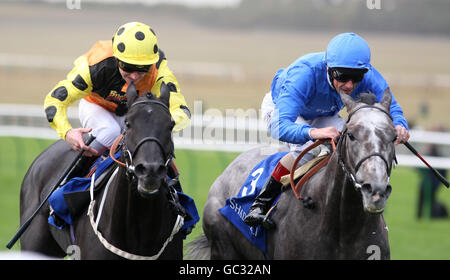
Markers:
(400, 123)
(292, 98)
(76, 85)
(378, 85)
(178, 107)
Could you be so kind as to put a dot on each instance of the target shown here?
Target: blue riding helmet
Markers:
(348, 50)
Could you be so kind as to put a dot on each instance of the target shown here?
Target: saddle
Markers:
(307, 170)
(302, 170)
(237, 207)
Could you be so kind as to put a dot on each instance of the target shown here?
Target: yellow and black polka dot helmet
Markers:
(135, 43)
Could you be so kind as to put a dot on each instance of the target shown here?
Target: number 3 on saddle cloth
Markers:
(236, 208)
(69, 201)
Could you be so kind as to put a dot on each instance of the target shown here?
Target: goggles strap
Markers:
(133, 68)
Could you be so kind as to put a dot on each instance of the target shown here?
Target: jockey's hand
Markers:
(74, 138)
(325, 133)
(402, 134)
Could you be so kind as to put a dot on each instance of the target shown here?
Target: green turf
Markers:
(409, 237)
(198, 172)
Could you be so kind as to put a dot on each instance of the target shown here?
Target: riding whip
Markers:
(28, 222)
(435, 172)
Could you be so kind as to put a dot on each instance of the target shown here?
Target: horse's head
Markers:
(148, 142)
(366, 148)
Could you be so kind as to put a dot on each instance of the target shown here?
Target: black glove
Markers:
(121, 109)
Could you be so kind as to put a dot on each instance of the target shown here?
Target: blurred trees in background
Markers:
(392, 16)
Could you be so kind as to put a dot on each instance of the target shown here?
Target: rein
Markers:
(342, 138)
(113, 149)
(129, 156)
(113, 249)
(296, 187)
(128, 164)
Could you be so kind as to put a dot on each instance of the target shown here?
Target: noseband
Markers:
(168, 155)
(358, 165)
(129, 156)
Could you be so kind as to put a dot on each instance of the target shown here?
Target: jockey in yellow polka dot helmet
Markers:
(99, 80)
(135, 43)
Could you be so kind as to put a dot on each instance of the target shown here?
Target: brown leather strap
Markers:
(113, 149)
(312, 171)
(174, 167)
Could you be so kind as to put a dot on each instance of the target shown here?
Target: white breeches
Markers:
(106, 126)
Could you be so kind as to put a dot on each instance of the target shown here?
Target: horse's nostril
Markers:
(140, 170)
(388, 190)
(149, 170)
(366, 188)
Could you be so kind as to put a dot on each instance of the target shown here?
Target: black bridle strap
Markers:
(167, 155)
(151, 101)
(358, 165)
(154, 139)
(388, 169)
(367, 106)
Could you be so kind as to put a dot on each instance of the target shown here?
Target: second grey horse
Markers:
(350, 194)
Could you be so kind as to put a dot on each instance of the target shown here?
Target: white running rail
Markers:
(212, 133)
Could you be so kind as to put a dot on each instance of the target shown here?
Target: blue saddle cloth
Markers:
(77, 184)
(236, 208)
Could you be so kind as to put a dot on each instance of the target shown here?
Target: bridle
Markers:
(128, 155)
(341, 143)
(307, 201)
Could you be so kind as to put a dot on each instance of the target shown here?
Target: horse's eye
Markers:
(351, 136)
(127, 123)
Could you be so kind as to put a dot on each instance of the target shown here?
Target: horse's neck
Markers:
(342, 203)
(132, 217)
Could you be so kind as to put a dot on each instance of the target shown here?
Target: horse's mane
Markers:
(367, 98)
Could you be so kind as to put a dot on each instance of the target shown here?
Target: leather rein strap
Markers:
(317, 167)
(167, 154)
(296, 187)
(113, 149)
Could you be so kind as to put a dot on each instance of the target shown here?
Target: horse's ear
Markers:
(348, 101)
(386, 99)
(164, 94)
(131, 94)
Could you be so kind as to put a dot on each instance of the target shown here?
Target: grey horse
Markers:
(350, 193)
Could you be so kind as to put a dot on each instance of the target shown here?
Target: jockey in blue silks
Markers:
(303, 105)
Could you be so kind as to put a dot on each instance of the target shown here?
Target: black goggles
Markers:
(343, 75)
(133, 68)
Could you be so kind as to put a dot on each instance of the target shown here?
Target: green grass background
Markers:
(409, 237)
